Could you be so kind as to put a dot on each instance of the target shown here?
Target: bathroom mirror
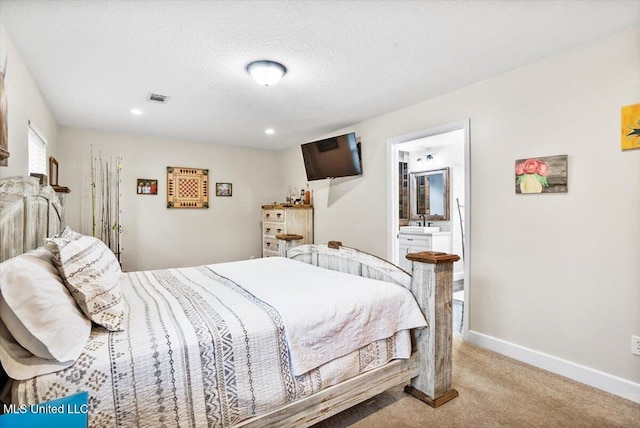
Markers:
(430, 195)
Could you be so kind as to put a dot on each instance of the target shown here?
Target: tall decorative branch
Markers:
(117, 226)
(93, 194)
(105, 174)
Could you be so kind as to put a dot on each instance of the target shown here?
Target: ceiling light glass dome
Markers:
(266, 72)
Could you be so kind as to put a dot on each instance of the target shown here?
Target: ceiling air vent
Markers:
(157, 98)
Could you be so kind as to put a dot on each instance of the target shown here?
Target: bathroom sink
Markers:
(419, 229)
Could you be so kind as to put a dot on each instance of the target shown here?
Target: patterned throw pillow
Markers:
(92, 274)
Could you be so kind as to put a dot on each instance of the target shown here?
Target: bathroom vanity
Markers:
(429, 202)
(413, 239)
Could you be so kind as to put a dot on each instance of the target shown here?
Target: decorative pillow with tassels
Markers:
(92, 274)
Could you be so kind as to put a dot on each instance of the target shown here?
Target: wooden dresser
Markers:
(285, 218)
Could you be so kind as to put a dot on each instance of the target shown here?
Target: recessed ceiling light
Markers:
(269, 131)
(136, 111)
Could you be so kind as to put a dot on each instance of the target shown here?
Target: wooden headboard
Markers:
(29, 213)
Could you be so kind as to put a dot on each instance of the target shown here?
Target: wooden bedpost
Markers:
(287, 241)
(431, 284)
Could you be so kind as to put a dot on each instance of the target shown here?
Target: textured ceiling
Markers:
(347, 61)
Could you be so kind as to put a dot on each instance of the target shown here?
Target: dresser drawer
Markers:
(270, 230)
(269, 253)
(273, 215)
(270, 244)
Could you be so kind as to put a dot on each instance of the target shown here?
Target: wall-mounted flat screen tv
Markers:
(332, 157)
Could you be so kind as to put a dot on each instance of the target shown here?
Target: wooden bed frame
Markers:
(29, 212)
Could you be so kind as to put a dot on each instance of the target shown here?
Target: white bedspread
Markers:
(198, 350)
(318, 334)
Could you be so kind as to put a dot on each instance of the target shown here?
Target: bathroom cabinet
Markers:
(417, 242)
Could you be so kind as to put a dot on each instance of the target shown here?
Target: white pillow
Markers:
(38, 311)
(18, 329)
(21, 364)
(92, 274)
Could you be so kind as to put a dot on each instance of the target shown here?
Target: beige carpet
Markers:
(496, 391)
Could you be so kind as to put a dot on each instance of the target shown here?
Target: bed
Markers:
(250, 318)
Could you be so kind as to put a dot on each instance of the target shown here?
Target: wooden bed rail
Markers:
(430, 283)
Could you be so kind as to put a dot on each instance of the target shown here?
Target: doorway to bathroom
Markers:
(417, 220)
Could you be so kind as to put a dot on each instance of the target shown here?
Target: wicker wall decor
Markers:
(187, 187)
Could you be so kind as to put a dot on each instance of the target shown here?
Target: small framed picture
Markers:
(146, 186)
(53, 171)
(224, 189)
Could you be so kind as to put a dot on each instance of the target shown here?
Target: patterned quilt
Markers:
(197, 350)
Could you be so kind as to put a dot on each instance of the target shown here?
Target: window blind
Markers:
(37, 153)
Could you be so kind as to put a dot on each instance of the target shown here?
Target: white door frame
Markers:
(393, 224)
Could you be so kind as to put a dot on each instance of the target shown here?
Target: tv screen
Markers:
(332, 157)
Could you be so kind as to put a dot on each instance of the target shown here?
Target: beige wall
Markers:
(154, 236)
(555, 273)
(25, 102)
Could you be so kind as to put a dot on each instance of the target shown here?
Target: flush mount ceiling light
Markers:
(269, 131)
(266, 72)
(136, 111)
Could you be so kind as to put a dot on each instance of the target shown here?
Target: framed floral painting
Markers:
(542, 175)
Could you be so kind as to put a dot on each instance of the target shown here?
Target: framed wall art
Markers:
(542, 175)
(224, 189)
(53, 171)
(630, 137)
(146, 186)
(187, 187)
(4, 134)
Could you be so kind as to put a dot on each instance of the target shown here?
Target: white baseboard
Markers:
(601, 380)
